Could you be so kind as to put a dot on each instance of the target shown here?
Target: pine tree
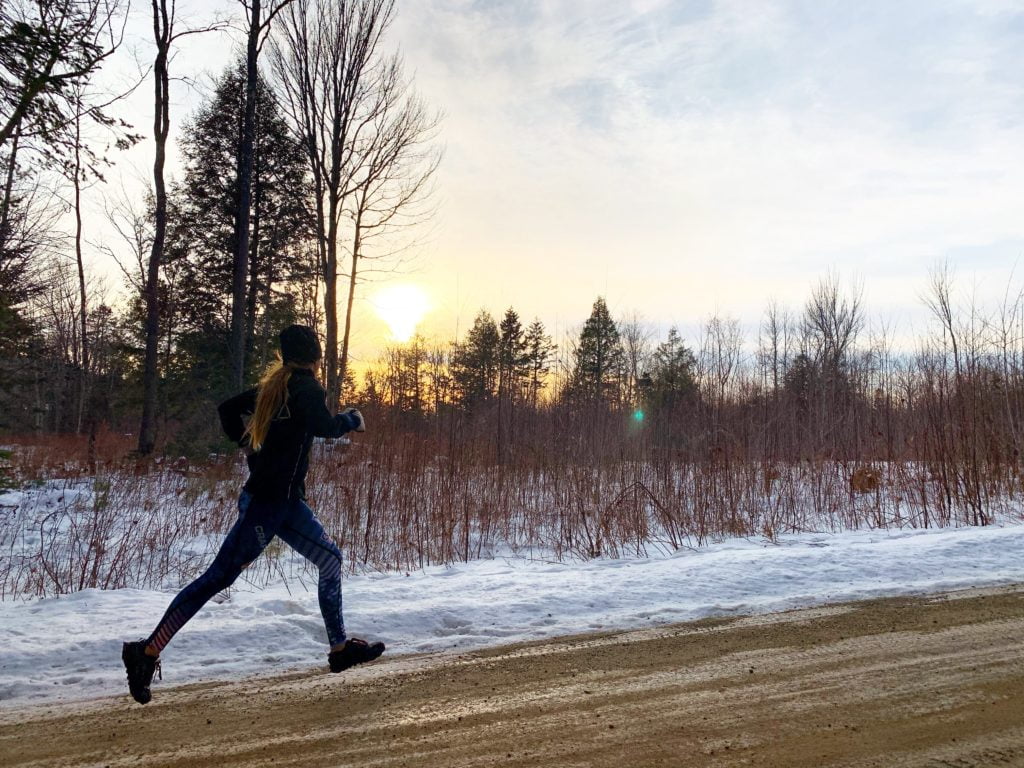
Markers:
(475, 362)
(600, 359)
(196, 280)
(202, 238)
(20, 271)
(538, 349)
(802, 381)
(671, 378)
(512, 360)
(407, 374)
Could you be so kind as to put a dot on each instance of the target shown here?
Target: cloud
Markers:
(704, 154)
(686, 156)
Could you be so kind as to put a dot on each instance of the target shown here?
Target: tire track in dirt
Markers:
(934, 682)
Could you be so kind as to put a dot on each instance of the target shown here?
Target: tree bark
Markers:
(161, 128)
(83, 381)
(245, 165)
(356, 244)
(331, 305)
(5, 209)
(257, 271)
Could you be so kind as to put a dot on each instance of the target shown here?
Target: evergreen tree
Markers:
(28, 245)
(21, 275)
(512, 359)
(475, 361)
(538, 349)
(600, 358)
(405, 381)
(196, 282)
(801, 381)
(201, 242)
(671, 378)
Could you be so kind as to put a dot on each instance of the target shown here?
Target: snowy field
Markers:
(69, 647)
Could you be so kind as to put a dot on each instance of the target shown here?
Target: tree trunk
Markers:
(268, 284)
(83, 380)
(161, 127)
(257, 271)
(331, 305)
(321, 238)
(5, 208)
(343, 363)
(245, 164)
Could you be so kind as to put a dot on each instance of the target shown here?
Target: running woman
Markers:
(286, 411)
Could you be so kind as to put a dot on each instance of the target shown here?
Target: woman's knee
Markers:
(224, 576)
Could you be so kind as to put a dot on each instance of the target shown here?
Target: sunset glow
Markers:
(402, 307)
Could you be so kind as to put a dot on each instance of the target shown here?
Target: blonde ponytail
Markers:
(270, 396)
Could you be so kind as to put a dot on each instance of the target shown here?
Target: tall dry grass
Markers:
(399, 500)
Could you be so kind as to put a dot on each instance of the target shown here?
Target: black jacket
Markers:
(278, 470)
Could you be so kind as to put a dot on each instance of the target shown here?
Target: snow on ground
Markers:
(69, 647)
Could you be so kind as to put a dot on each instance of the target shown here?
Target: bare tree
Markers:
(939, 301)
(132, 220)
(58, 313)
(832, 322)
(1009, 337)
(775, 346)
(392, 167)
(85, 165)
(83, 304)
(323, 57)
(636, 336)
(721, 355)
(164, 36)
(962, 406)
(258, 21)
(81, 170)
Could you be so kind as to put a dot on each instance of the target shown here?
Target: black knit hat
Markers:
(299, 344)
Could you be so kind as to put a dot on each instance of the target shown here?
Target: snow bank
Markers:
(69, 647)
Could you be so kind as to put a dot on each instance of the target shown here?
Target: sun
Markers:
(401, 307)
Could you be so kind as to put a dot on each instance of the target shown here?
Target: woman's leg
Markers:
(245, 541)
(305, 534)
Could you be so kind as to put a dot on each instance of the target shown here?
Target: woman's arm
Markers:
(312, 402)
(231, 412)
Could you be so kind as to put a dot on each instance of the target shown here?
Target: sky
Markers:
(688, 157)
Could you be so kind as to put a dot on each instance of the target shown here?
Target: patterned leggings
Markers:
(258, 522)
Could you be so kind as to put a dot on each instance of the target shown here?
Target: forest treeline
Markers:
(814, 385)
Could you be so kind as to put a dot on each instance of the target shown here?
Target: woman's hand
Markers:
(357, 419)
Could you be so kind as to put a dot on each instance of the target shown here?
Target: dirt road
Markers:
(935, 682)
